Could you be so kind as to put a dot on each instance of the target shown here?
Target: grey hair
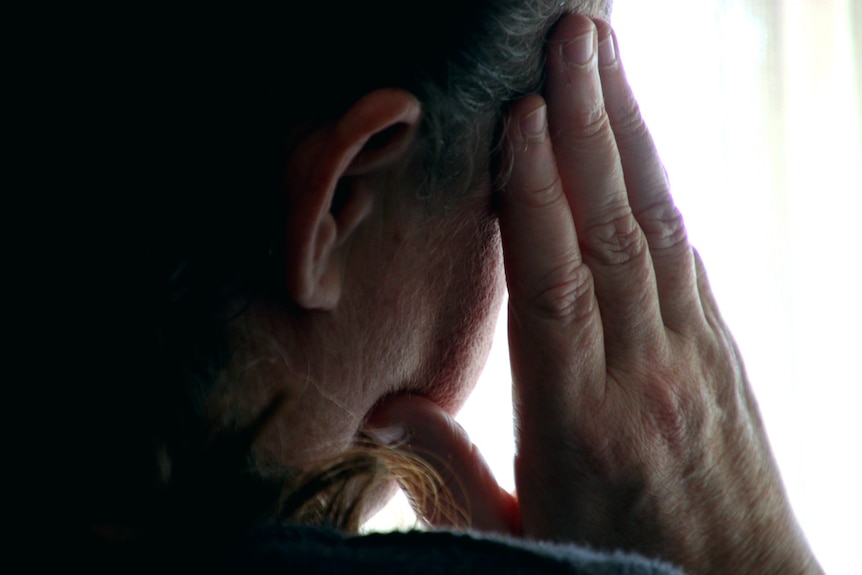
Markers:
(197, 112)
(464, 60)
(502, 62)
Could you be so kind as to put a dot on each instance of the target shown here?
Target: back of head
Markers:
(186, 119)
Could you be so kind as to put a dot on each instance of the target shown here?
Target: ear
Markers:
(328, 191)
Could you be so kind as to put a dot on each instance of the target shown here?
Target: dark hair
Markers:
(195, 114)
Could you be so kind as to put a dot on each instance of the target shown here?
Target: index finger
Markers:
(552, 304)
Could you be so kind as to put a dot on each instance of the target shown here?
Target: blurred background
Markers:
(756, 109)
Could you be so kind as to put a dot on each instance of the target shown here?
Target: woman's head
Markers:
(303, 219)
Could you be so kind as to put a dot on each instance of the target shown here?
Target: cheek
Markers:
(466, 317)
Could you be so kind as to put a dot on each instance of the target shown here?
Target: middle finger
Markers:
(613, 245)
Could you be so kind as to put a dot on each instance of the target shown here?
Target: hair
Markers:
(195, 113)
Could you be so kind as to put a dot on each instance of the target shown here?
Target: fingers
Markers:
(586, 325)
(648, 190)
(613, 244)
(552, 306)
(541, 246)
(421, 428)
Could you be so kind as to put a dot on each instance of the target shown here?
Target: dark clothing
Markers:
(302, 549)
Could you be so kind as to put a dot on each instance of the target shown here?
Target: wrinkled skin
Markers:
(636, 425)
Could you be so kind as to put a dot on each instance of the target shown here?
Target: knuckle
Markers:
(616, 241)
(540, 196)
(565, 294)
(628, 122)
(589, 122)
(663, 225)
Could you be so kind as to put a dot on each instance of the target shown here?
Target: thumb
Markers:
(431, 434)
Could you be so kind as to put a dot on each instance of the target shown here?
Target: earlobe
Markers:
(331, 189)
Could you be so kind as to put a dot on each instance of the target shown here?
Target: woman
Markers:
(299, 280)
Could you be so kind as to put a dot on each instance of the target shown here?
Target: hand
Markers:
(636, 426)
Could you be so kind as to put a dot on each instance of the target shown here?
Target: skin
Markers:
(636, 425)
(355, 278)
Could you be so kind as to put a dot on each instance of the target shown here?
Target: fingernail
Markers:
(607, 52)
(533, 124)
(393, 436)
(580, 51)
